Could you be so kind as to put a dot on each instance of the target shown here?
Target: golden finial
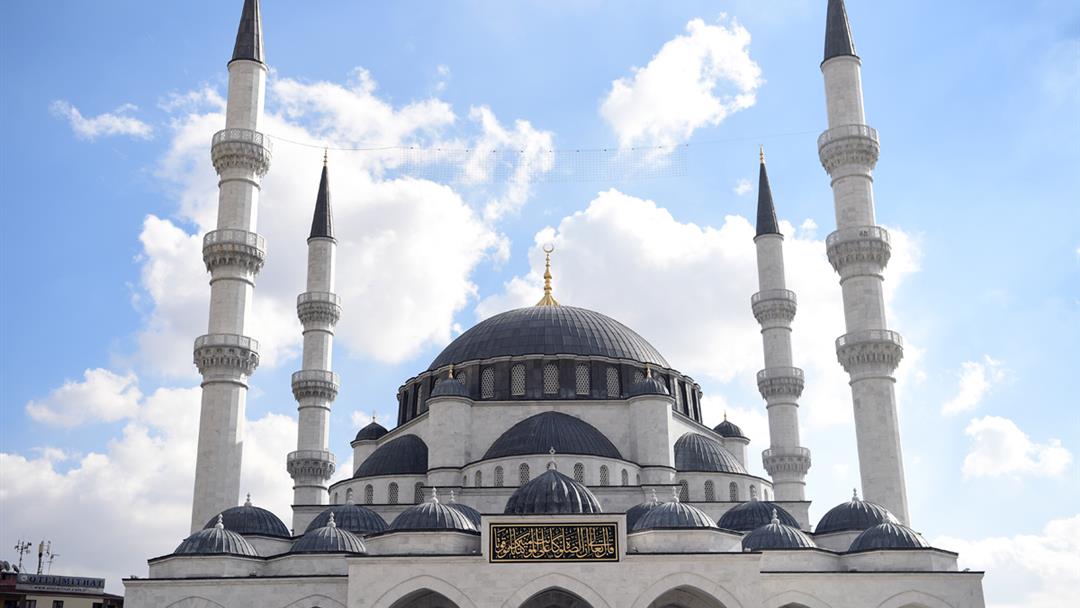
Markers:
(450, 374)
(325, 156)
(761, 153)
(547, 300)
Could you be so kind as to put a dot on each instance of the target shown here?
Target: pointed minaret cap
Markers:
(838, 41)
(766, 211)
(322, 223)
(249, 35)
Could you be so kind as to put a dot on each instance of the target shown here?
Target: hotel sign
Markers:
(63, 584)
(554, 542)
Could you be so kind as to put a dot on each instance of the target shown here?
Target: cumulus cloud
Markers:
(742, 187)
(999, 448)
(977, 378)
(534, 157)
(1027, 570)
(102, 395)
(694, 80)
(117, 122)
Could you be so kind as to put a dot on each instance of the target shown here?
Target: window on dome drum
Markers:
(605, 480)
(733, 492)
(638, 479)
(335, 498)
(625, 477)
(418, 493)
(765, 493)
(517, 380)
(348, 496)
(684, 491)
(464, 480)
(579, 472)
(676, 394)
(369, 494)
(710, 491)
(479, 477)
(498, 477)
(551, 379)
(753, 492)
(487, 383)
(581, 378)
(523, 474)
(391, 493)
(638, 376)
(613, 382)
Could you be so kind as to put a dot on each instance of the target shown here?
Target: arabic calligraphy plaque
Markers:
(554, 542)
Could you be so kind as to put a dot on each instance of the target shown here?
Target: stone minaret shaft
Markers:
(859, 251)
(233, 254)
(780, 383)
(315, 386)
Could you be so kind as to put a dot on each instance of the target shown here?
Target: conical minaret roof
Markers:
(766, 211)
(838, 40)
(322, 223)
(249, 34)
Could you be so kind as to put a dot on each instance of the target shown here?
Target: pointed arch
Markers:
(794, 598)
(415, 587)
(915, 599)
(689, 582)
(316, 601)
(556, 581)
(194, 602)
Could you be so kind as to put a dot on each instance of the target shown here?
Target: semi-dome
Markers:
(450, 387)
(854, 514)
(636, 512)
(776, 535)
(649, 385)
(888, 535)
(552, 493)
(353, 518)
(406, 455)
(673, 515)
(540, 433)
(329, 539)
(466, 510)
(754, 514)
(431, 516)
(250, 520)
(549, 330)
(729, 429)
(216, 540)
(373, 431)
(698, 453)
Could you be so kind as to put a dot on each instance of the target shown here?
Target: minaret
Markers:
(859, 251)
(780, 383)
(315, 386)
(233, 254)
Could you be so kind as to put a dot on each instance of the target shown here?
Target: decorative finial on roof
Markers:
(675, 494)
(374, 416)
(452, 499)
(450, 373)
(331, 523)
(854, 494)
(547, 300)
(551, 463)
(648, 371)
(220, 525)
(325, 156)
(655, 500)
(435, 495)
(775, 519)
(761, 152)
(725, 415)
(247, 503)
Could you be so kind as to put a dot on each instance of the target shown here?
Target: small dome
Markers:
(729, 429)
(636, 512)
(776, 535)
(329, 539)
(566, 434)
(249, 520)
(649, 385)
(450, 387)
(551, 493)
(854, 514)
(888, 535)
(673, 515)
(696, 452)
(466, 510)
(353, 518)
(754, 514)
(371, 432)
(406, 455)
(216, 540)
(432, 516)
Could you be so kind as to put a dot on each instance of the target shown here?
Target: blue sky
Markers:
(108, 108)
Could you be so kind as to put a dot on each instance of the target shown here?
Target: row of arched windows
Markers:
(524, 475)
(392, 494)
(710, 491)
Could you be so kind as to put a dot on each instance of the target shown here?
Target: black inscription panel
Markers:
(554, 542)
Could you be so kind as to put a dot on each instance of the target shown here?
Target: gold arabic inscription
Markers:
(554, 542)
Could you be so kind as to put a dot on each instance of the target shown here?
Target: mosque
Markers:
(550, 457)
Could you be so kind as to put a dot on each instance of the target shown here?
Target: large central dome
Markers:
(549, 330)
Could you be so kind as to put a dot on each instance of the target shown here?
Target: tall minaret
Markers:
(315, 386)
(780, 383)
(233, 253)
(859, 251)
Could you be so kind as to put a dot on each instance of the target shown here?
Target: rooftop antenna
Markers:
(22, 548)
(548, 299)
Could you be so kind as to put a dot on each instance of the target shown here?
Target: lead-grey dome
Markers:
(472, 514)
(432, 516)
(371, 432)
(329, 539)
(673, 515)
(776, 535)
(354, 518)
(698, 453)
(649, 385)
(754, 514)
(854, 514)
(406, 455)
(729, 429)
(888, 535)
(216, 540)
(551, 493)
(250, 520)
(636, 512)
(450, 387)
(549, 330)
(540, 433)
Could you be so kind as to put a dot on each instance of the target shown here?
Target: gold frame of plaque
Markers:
(549, 542)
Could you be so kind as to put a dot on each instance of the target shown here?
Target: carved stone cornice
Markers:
(237, 248)
(315, 383)
(774, 305)
(871, 348)
(867, 247)
(241, 149)
(318, 307)
(790, 461)
(310, 464)
(848, 145)
(226, 354)
(780, 381)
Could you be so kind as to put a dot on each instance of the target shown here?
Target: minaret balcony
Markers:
(774, 305)
(310, 464)
(320, 307)
(226, 355)
(229, 247)
(241, 149)
(316, 383)
(844, 145)
(781, 382)
(786, 460)
(859, 247)
(869, 349)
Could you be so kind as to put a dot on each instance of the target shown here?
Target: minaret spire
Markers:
(249, 34)
(322, 222)
(548, 299)
(838, 39)
(766, 211)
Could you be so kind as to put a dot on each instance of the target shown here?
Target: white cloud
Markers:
(999, 447)
(101, 396)
(977, 379)
(742, 187)
(443, 72)
(694, 80)
(117, 122)
(534, 157)
(1027, 570)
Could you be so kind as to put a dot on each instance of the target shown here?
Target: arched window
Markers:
(479, 479)
(391, 493)
(517, 380)
(579, 472)
(498, 477)
(369, 494)
(487, 383)
(684, 491)
(765, 493)
(335, 498)
(581, 378)
(613, 382)
(523, 474)
(710, 491)
(464, 480)
(418, 493)
(625, 477)
(638, 376)
(753, 492)
(551, 379)
(348, 496)
(638, 479)
(605, 479)
(733, 492)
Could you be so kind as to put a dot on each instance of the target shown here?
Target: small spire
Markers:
(854, 494)
(249, 34)
(322, 222)
(331, 523)
(675, 494)
(247, 503)
(761, 152)
(838, 41)
(725, 415)
(450, 373)
(655, 500)
(551, 463)
(452, 498)
(766, 211)
(374, 416)
(220, 525)
(435, 495)
(775, 519)
(325, 156)
(547, 300)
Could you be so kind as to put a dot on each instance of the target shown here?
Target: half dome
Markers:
(698, 453)
(540, 433)
(406, 455)
(854, 514)
(551, 493)
(250, 520)
(353, 518)
(888, 535)
(216, 540)
(754, 514)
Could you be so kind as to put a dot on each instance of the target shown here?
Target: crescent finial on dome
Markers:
(548, 299)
